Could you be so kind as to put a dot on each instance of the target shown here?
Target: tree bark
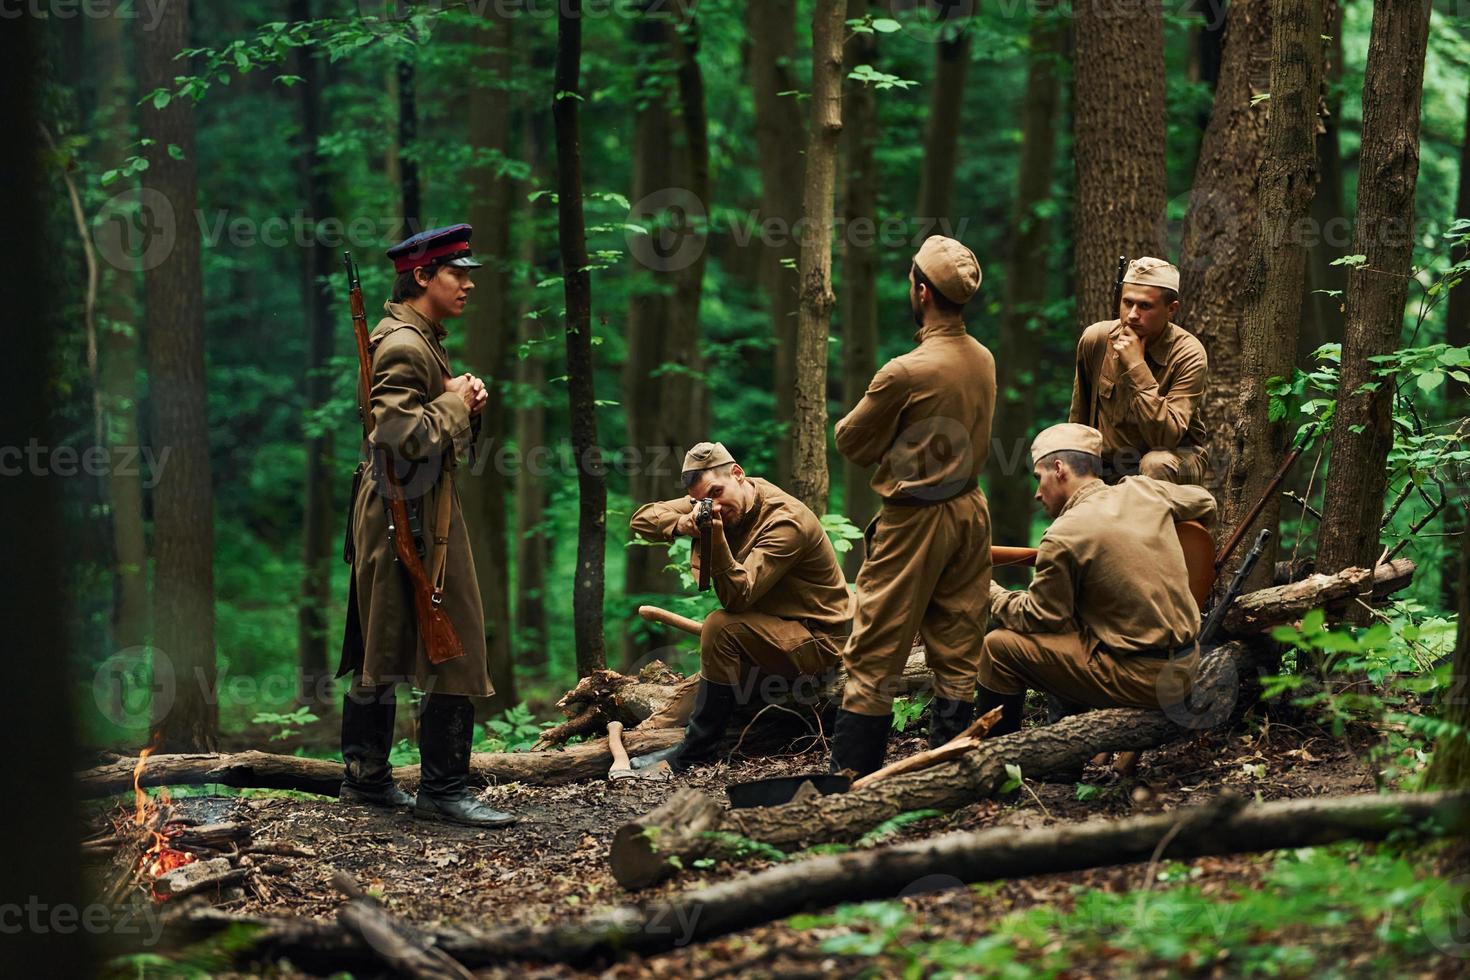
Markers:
(1451, 765)
(779, 142)
(1215, 255)
(487, 349)
(118, 289)
(685, 393)
(1021, 330)
(587, 591)
(183, 524)
(409, 191)
(860, 256)
(809, 475)
(313, 676)
(1362, 427)
(1275, 277)
(1323, 322)
(1121, 184)
(1457, 312)
(1258, 612)
(943, 125)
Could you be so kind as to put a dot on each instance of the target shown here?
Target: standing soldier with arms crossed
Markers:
(925, 420)
(1140, 381)
(421, 422)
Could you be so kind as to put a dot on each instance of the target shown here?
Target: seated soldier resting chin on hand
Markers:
(784, 601)
(1109, 620)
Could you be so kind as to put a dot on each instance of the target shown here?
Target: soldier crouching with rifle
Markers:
(414, 611)
(785, 602)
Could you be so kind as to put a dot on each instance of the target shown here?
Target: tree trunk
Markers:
(1330, 227)
(809, 482)
(1362, 428)
(1021, 331)
(778, 145)
(42, 867)
(486, 490)
(860, 257)
(313, 676)
(118, 290)
(1214, 260)
(1451, 765)
(1121, 184)
(1457, 334)
(685, 393)
(1276, 271)
(650, 312)
(943, 126)
(183, 523)
(408, 166)
(587, 590)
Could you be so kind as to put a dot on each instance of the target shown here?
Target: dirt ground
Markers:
(551, 866)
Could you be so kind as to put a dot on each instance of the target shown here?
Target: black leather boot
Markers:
(1010, 706)
(367, 738)
(713, 706)
(947, 719)
(859, 742)
(446, 731)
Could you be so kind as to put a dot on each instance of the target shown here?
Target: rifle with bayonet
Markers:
(441, 642)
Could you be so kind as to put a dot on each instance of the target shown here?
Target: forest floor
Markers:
(1194, 918)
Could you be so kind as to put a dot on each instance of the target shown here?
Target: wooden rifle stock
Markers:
(1254, 513)
(441, 642)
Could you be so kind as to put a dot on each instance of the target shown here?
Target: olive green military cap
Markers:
(706, 456)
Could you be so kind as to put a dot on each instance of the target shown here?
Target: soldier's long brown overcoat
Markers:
(416, 419)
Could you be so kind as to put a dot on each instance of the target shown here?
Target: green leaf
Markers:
(176, 151)
(1352, 261)
(886, 25)
(162, 98)
(1430, 380)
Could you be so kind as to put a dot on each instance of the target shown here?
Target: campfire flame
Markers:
(161, 858)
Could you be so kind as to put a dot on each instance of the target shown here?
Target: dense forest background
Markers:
(311, 127)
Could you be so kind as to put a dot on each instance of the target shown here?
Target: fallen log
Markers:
(656, 845)
(403, 949)
(1225, 827)
(263, 770)
(196, 876)
(606, 695)
(1257, 612)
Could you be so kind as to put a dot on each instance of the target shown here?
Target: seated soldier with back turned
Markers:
(784, 601)
(1140, 380)
(1109, 609)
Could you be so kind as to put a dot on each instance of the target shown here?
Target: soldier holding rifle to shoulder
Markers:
(414, 613)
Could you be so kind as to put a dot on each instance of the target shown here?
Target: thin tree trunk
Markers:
(809, 481)
(859, 315)
(407, 164)
(1021, 336)
(183, 502)
(650, 309)
(1457, 334)
(778, 139)
(1215, 253)
(118, 339)
(1276, 273)
(313, 678)
(587, 590)
(943, 126)
(1121, 184)
(486, 492)
(686, 395)
(1362, 428)
(1323, 321)
(1451, 765)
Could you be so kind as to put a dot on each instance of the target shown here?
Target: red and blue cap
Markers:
(441, 246)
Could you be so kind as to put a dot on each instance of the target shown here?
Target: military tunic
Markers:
(1149, 415)
(417, 420)
(1110, 588)
(925, 420)
(785, 601)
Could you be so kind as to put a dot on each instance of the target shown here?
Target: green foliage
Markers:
(895, 825)
(841, 532)
(287, 723)
(515, 730)
(906, 711)
(737, 847)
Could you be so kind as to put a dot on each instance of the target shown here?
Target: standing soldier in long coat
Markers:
(925, 420)
(422, 414)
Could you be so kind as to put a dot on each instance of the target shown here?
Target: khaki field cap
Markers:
(950, 266)
(706, 456)
(1067, 436)
(1152, 272)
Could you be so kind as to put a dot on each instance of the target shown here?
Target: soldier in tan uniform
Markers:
(925, 421)
(1109, 620)
(1140, 381)
(784, 602)
(422, 413)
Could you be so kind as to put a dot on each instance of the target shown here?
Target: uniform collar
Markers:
(1082, 495)
(431, 329)
(940, 328)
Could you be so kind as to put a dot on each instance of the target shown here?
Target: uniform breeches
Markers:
(1061, 664)
(734, 648)
(1186, 464)
(927, 572)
